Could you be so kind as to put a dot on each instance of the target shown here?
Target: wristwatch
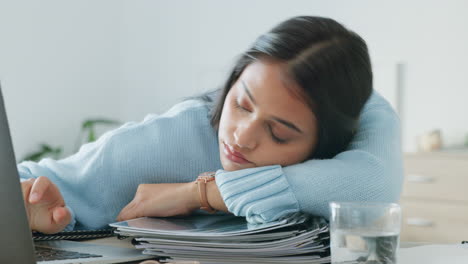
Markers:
(201, 181)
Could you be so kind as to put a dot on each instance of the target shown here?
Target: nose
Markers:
(246, 136)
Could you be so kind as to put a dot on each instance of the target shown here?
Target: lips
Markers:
(233, 155)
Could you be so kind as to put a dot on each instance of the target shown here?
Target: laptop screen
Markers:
(15, 237)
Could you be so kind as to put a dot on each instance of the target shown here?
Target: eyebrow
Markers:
(282, 121)
(246, 89)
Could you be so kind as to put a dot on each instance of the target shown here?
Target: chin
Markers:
(228, 166)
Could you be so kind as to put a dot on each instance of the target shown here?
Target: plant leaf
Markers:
(45, 151)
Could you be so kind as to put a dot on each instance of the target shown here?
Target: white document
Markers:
(201, 225)
(229, 239)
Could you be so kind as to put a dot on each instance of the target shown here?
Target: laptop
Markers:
(16, 244)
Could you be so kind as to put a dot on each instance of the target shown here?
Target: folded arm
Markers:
(369, 170)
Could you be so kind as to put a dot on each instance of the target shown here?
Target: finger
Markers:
(61, 216)
(26, 189)
(127, 212)
(38, 189)
(122, 215)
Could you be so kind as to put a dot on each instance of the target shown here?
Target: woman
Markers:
(296, 125)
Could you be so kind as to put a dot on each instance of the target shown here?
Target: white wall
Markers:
(64, 61)
(59, 64)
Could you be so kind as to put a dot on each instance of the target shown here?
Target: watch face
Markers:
(209, 174)
(206, 176)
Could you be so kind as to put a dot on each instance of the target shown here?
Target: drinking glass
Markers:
(364, 232)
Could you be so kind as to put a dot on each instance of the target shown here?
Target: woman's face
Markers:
(263, 123)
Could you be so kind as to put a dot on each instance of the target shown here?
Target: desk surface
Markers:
(409, 251)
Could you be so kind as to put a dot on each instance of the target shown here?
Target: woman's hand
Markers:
(45, 205)
(161, 200)
(169, 199)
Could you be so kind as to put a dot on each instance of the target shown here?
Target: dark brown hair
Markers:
(329, 62)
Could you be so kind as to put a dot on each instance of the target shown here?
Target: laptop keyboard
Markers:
(43, 254)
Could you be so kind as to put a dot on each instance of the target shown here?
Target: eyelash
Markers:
(275, 138)
(238, 106)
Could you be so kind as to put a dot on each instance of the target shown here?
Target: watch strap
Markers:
(201, 181)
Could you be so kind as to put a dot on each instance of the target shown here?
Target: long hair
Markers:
(329, 62)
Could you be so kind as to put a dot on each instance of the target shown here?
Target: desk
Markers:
(434, 254)
(410, 252)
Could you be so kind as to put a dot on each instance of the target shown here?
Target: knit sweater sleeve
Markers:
(369, 170)
(102, 177)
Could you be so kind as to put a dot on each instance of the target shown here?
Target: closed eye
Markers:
(238, 106)
(275, 138)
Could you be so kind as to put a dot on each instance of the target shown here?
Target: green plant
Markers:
(87, 131)
(45, 150)
(89, 126)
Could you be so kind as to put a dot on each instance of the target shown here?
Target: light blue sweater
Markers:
(99, 180)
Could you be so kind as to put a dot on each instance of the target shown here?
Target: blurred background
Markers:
(63, 63)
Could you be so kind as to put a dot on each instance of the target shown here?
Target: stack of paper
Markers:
(230, 239)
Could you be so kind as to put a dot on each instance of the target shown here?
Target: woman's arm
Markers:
(99, 180)
(369, 170)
